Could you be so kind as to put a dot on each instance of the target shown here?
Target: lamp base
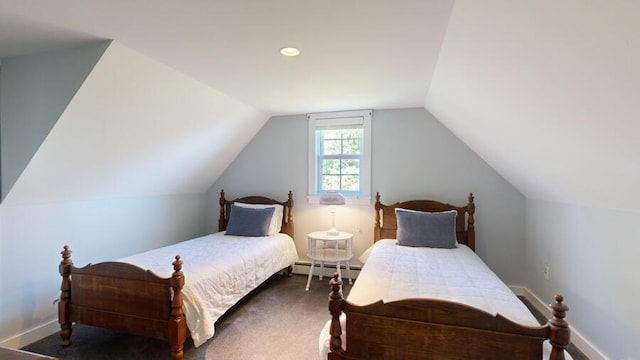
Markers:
(333, 232)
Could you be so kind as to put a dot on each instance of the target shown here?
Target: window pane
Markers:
(350, 166)
(330, 182)
(350, 183)
(351, 133)
(331, 147)
(351, 146)
(331, 134)
(340, 159)
(331, 167)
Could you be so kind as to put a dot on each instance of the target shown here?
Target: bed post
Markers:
(335, 308)
(177, 323)
(288, 225)
(376, 227)
(287, 221)
(560, 334)
(290, 213)
(65, 296)
(471, 230)
(222, 225)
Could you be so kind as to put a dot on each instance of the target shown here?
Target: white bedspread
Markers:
(392, 272)
(395, 272)
(219, 270)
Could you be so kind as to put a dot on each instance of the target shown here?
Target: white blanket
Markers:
(392, 272)
(219, 270)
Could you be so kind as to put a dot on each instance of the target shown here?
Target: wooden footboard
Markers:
(436, 329)
(125, 298)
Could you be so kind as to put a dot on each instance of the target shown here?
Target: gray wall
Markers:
(33, 232)
(32, 236)
(414, 156)
(593, 257)
(35, 90)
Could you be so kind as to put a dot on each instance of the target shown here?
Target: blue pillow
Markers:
(426, 229)
(249, 221)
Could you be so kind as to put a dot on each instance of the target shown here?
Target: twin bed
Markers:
(433, 300)
(142, 295)
(426, 295)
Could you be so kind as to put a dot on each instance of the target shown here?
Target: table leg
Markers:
(349, 272)
(313, 264)
(321, 270)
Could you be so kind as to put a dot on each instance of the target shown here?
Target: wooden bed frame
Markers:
(387, 228)
(436, 329)
(125, 298)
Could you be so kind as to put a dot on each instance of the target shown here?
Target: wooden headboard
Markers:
(287, 218)
(386, 229)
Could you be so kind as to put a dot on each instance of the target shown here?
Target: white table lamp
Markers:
(332, 198)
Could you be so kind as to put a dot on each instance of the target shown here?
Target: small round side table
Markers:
(334, 249)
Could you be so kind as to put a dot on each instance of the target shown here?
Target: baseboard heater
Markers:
(328, 265)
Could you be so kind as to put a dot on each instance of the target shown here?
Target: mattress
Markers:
(219, 270)
(392, 272)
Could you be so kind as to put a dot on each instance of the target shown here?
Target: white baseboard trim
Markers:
(32, 335)
(576, 338)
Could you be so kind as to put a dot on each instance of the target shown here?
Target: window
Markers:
(340, 155)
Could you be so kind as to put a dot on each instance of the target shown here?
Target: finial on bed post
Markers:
(177, 326)
(65, 296)
(560, 332)
(471, 230)
(376, 226)
(221, 220)
(290, 212)
(335, 308)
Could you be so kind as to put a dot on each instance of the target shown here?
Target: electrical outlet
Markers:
(546, 271)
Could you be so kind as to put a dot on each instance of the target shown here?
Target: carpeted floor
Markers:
(280, 320)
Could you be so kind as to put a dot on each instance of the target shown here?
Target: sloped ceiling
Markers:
(545, 91)
(36, 90)
(137, 128)
(355, 54)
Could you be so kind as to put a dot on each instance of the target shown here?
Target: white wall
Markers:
(32, 236)
(414, 156)
(125, 168)
(547, 93)
(593, 256)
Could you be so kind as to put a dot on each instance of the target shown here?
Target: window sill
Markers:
(362, 200)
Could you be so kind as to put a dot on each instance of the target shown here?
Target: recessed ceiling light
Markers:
(289, 51)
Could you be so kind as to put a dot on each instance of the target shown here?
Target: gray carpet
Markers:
(279, 320)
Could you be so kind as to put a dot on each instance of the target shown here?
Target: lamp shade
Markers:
(332, 197)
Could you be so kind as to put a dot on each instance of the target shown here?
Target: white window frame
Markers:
(341, 118)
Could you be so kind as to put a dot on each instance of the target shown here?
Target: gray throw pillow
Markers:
(426, 229)
(249, 222)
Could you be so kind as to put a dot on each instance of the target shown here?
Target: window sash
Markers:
(323, 175)
(340, 121)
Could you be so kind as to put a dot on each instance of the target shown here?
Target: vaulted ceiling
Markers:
(354, 53)
(545, 91)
